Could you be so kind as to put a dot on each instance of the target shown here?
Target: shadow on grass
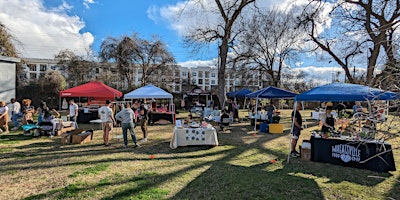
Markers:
(220, 180)
(394, 192)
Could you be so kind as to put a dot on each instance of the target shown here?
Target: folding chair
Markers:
(225, 124)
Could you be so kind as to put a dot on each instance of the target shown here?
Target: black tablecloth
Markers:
(86, 117)
(154, 117)
(350, 153)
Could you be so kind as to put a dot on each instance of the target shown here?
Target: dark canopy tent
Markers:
(238, 94)
(270, 92)
(197, 92)
(345, 92)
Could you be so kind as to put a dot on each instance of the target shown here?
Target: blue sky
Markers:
(44, 27)
(124, 17)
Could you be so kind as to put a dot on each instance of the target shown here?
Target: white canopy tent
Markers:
(151, 92)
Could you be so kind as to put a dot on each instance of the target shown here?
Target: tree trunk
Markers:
(221, 70)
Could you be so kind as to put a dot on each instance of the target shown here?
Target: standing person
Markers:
(127, 118)
(4, 116)
(327, 120)
(15, 113)
(27, 111)
(73, 112)
(270, 111)
(143, 121)
(298, 121)
(107, 121)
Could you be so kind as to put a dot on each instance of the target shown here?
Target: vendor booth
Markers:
(90, 96)
(156, 112)
(197, 104)
(351, 148)
(267, 93)
(239, 94)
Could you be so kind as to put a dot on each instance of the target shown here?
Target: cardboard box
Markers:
(83, 137)
(305, 154)
(66, 138)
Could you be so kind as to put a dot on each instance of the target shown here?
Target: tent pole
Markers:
(255, 118)
(59, 102)
(291, 130)
(244, 104)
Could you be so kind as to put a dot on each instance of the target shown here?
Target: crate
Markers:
(276, 128)
(305, 154)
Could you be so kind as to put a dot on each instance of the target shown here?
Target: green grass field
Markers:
(239, 168)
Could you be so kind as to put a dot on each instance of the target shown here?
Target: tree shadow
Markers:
(220, 180)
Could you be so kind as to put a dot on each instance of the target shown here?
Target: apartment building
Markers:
(34, 68)
(175, 78)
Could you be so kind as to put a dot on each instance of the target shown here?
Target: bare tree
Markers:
(6, 46)
(269, 42)
(362, 28)
(75, 66)
(228, 12)
(133, 52)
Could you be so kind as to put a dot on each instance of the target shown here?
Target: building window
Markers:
(213, 75)
(32, 67)
(206, 74)
(43, 67)
(200, 74)
(194, 74)
(206, 88)
(97, 70)
(200, 81)
(33, 76)
(207, 81)
(212, 82)
(53, 67)
(184, 74)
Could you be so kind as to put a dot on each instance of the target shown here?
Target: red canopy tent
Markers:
(98, 91)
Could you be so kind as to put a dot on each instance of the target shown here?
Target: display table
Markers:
(85, 115)
(155, 116)
(97, 121)
(351, 153)
(315, 115)
(193, 136)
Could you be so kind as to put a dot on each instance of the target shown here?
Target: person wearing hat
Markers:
(327, 119)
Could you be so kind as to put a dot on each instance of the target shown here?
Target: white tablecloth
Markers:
(315, 115)
(193, 136)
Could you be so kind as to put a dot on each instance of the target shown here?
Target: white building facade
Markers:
(177, 79)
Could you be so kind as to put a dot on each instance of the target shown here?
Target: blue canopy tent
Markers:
(343, 92)
(270, 93)
(238, 94)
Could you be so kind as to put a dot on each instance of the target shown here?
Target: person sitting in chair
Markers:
(223, 122)
(276, 118)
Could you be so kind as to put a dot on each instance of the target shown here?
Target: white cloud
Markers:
(42, 32)
(199, 63)
(87, 2)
